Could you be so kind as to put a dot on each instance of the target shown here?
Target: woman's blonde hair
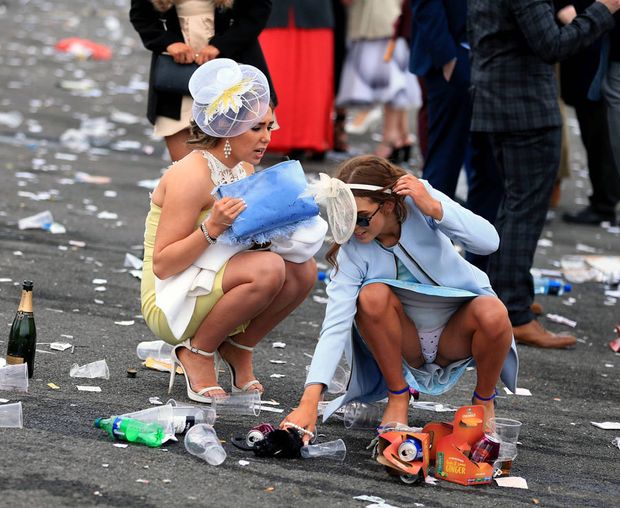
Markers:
(370, 170)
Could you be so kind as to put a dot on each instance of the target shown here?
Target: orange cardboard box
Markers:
(409, 472)
(451, 451)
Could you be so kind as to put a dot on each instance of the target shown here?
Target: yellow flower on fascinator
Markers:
(230, 99)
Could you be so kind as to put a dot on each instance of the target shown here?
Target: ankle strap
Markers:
(240, 346)
(398, 392)
(485, 399)
(193, 349)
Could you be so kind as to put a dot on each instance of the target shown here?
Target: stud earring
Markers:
(227, 149)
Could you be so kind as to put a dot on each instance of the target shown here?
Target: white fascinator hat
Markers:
(229, 98)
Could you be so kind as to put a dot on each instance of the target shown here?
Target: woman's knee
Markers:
(492, 318)
(373, 300)
(267, 273)
(303, 275)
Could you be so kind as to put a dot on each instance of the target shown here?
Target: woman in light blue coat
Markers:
(413, 311)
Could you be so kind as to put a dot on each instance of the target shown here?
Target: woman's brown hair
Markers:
(370, 170)
(198, 138)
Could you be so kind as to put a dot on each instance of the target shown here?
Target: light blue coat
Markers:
(426, 249)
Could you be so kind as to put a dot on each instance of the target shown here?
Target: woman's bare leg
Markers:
(299, 281)
(390, 335)
(480, 328)
(177, 147)
(251, 282)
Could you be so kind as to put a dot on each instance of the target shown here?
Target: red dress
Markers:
(301, 63)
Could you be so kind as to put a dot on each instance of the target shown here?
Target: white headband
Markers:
(337, 197)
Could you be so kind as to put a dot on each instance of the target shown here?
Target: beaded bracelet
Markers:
(209, 238)
(299, 428)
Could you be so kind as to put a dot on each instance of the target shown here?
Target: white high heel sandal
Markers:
(197, 396)
(233, 377)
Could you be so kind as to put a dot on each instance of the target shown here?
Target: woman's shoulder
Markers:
(189, 176)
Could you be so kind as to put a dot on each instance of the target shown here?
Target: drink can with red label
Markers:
(486, 449)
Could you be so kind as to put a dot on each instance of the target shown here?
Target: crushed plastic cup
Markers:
(360, 415)
(333, 450)
(507, 431)
(191, 415)
(339, 381)
(11, 416)
(156, 349)
(247, 403)
(42, 220)
(202, 441)
(98, 369)
(14, 377)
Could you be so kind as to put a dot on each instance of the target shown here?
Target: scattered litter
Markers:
(319, 299)
(270, 409)
(277, 376)
(244, 463)
(100, 281)
(53, 386)
(83, 49)
(82, 177)
(516, 482)
(556, 318)
(270, 402)
(432, 406)
(141, 480)
(83, 388)
(60, 346)
(607, 425)
(430, 480)
(616, 442)
(609, 365)
(125, 323)
(520, 391)
(278, 344)
(152, 363)
(582, 247)
(77, 243)
(545, 242)
(121, 445)
(132, 261)
(277, 362)
(569, 301)
(370, 499)
(105, 465)
(155, 401)
(98, 369)
(107, 215)
(3, 401)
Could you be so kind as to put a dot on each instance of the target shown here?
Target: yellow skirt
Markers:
(153, 316)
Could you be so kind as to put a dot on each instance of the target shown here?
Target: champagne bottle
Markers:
(23, 334)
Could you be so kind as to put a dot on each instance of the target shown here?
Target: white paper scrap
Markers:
(278, 345)
(520, 391)
(3, 401)
(431, 480)
(83, 388)
(121, 445)
(370, 499)
(100, 281)
(270, 409)
(277, 376)
(607, 425)
(60, 346)
(125, 323)
(516, 482)
(385, 505)
(244, 463)
(277, 362)
(616, 442)
(556, 318)
(155, 401)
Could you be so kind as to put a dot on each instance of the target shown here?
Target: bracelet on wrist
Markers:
(208, 237)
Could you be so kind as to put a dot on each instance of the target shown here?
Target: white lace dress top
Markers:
(220, 172)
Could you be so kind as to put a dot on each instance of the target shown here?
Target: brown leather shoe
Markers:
(537, 308)
(534, 334)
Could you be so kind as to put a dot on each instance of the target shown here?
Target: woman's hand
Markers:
(305, 417)
(181, 53)
(206, 54)
(223, 214)
(409, 185)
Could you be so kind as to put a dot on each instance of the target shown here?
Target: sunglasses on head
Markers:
(364, 222)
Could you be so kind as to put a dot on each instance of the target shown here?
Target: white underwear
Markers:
(429, 343)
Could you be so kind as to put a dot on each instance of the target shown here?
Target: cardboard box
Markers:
(387, 455)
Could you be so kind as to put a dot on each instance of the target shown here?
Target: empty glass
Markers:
(334, 450)
(202, 441)
(11, 416)
(360, 415)
(156, 349)
(507, 431)
(246, 403)
(14, 377)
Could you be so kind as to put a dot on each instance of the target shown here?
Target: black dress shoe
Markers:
(587, 216)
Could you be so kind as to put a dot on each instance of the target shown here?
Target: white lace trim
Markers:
(220, 172)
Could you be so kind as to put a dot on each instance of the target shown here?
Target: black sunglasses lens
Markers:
(363, 222)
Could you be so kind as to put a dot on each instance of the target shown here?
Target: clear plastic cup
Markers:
(333, 450)
(42, 220)
(162, 415)
(247, 403)
(360, 415)
(339, 381)
(507, 431)
(156, 349)
(11, 416)
(98, 369)
(14, 377)
(202, 441)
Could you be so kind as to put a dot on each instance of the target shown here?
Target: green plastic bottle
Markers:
(134, 431)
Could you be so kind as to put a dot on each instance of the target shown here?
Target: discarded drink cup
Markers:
(156, 349)
(202, 441)
(334, 450)
(507, 431)
(238, 404)
(360, 415)
(98, 369)
(42, 220)
(186, 415)
(14, 377)
(339, 381)
(11, 416)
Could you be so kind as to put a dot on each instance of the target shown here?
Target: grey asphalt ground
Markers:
(59, 459)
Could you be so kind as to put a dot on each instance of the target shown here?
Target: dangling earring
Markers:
(227, 149)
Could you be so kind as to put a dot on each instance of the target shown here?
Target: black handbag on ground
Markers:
(172, 77)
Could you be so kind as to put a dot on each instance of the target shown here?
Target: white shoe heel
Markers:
(199, 395)
(231, 370)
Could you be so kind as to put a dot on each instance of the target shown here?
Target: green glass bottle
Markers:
(134, 431)
(23, 335)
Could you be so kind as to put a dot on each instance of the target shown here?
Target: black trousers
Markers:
(528, 163)
(604, 177)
